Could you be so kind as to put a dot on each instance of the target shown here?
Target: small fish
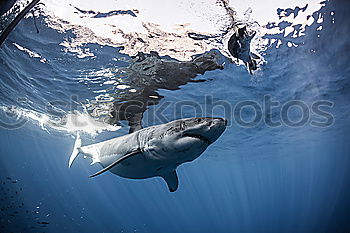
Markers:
(43, 223)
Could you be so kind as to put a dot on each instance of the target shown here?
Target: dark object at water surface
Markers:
(149, 73)
(239, 47)
(18, 18)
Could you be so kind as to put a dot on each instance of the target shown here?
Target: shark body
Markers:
(154, 151)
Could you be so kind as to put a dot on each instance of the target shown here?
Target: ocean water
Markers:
(253, 179)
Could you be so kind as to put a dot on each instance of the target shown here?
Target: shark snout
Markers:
(219, 121)
(216, 122)
(217, 127)
(207, 129)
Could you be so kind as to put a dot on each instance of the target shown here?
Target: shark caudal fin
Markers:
(76, 150)
(91, 151)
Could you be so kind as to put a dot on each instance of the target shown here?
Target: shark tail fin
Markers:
(76, 150)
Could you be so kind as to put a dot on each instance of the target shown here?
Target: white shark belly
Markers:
(136, 167)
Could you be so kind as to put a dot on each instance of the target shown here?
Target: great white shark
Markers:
(154, 151)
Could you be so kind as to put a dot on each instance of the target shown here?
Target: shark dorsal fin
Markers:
(116, 162)
(171, 180)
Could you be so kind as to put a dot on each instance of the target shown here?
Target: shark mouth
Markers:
(200, 137)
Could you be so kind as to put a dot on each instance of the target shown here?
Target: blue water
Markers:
(258, 179)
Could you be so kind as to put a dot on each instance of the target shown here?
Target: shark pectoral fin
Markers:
(116, 162)
(171, 180)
